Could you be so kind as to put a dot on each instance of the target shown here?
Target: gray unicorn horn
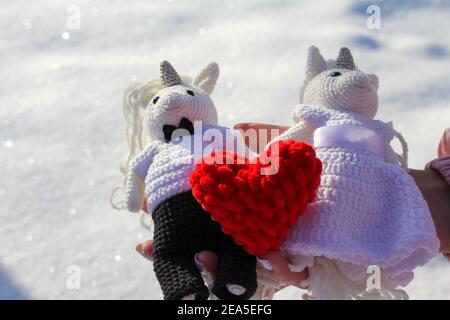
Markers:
(169, 77)
(345, 59)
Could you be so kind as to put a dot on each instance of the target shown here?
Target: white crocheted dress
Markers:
(368, 211)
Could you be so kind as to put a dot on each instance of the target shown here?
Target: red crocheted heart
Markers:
(252, 205)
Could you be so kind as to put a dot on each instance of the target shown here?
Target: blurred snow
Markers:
(62, 133)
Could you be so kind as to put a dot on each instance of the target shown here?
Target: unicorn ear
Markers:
(207, 77)
(315, 63)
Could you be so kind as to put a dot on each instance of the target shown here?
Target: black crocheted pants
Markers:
(182, 229)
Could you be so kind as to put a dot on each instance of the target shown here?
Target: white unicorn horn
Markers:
(169, 77)
(345, 59)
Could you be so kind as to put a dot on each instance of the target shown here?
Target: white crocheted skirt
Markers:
(367, 212)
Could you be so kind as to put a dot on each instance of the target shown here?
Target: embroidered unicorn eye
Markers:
(335, 74)
(190, 92)
(155, 100)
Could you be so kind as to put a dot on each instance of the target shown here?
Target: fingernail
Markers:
(199, 265)
(140, 249)
(235, 289)
(265, 264)
(189, 297)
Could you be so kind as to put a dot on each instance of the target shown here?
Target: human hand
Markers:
(436, 192)
(271, 130)
(206, 262)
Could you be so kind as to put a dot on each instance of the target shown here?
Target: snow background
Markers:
(62, 132)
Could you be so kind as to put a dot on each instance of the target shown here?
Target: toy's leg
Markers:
(236, 273)
(181, 230)
(180, 279)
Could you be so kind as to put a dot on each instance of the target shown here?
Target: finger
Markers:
(258, 126)
(447, 256)
(207, 262)
(281, 270)
(264, 134)
(247, 125)
(144, 206)
(145, 249)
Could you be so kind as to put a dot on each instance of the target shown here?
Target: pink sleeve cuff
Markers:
(441, 165)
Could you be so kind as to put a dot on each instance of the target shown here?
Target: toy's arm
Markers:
(134, 186)
(402, 158)
(134, 193)
(301, 131)
(393, 157)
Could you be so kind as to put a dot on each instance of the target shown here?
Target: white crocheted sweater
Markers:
(166, 167)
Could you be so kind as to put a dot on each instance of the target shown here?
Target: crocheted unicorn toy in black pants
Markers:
(181, 227)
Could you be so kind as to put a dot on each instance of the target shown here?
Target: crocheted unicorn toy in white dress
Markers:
(368, 210)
